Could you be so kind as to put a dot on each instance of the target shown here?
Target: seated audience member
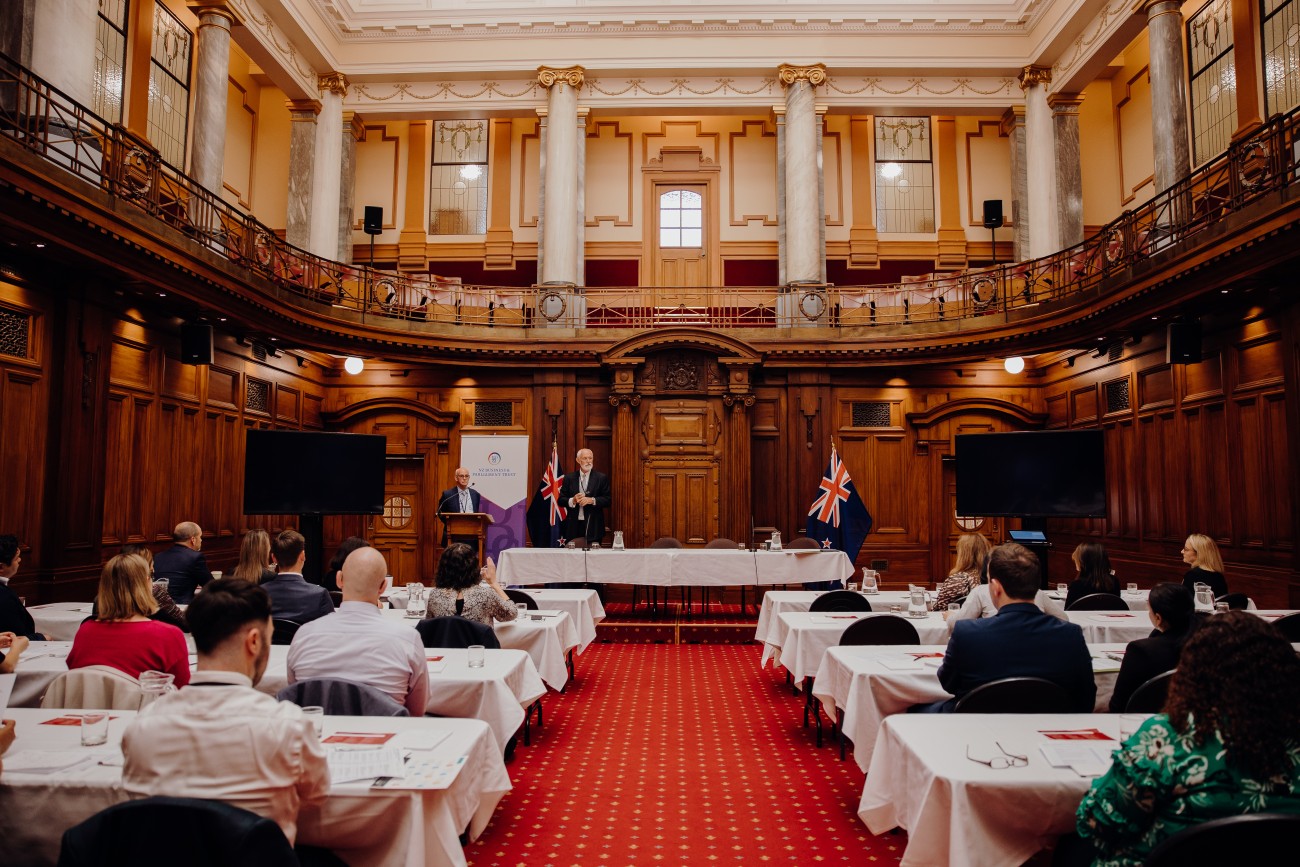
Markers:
(1200, 552)
(13, 647)
(1020, 641)
(979, 604)
(292, 598)
(461, 590)
(183, 566)
(350, 544)
(1228, 743)
(14, 616)
(1171, 615)
(358, 643)
(122, 635)
(972, 548)
(1095, 575)
(7, 735)
(168, 611)
(219, 738)
(255, 558)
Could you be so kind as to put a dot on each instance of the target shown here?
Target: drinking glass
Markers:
(94, 728)
(895, 609)
(522, 610)
(476, 655)
(869, 582)
(316, 716)
(1133, 588)
(1221, 608)
(1062, 590)
(852, 587)
(953, 608)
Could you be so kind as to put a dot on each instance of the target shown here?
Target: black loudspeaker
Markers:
(196, 343)
(993, 213)
(1183, 342)
(374, 220)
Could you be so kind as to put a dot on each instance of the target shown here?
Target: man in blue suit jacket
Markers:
(292, 598)
(1019, 641)
(183, 565)
(461, 498)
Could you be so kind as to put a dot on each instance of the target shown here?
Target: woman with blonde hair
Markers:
(255, 558)
(168, 611)
(122, 635)
(972, 549)
(1200, 552)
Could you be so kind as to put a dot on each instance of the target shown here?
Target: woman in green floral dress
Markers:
(1228, 743)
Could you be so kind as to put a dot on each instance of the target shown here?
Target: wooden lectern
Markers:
(467, 527)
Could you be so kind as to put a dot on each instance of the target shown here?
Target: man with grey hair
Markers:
(183, 565)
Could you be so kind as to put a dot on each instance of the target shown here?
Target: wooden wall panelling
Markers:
(769, 459)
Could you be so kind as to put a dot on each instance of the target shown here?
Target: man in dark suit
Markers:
(461, 498)
(182, 565)
(13, 616)
(587, 495)
(1019, 641)
(292, 598)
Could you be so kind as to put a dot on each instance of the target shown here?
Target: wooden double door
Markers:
(681, 468)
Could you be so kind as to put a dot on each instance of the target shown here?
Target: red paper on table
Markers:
(1117, 615)
(927, 656)
(842, 616)
(365, 739)
(1077, 735)
(67, 720)
(434, 658)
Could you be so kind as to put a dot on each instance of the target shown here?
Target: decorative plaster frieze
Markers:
(814, 75)
(276, 42)
(1111, 17)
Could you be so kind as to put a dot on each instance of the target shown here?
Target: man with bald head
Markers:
(586, 493)
(358, 643)
(461, 498)
(183, 565)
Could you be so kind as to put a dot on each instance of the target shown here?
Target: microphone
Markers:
(447, 498)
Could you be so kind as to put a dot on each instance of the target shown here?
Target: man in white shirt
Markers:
(219, 738)
(358, 643)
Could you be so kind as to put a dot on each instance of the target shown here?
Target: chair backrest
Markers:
(342, 697)
(336, 596)
(1150, 696)
(723, 543)
(666, 542)
(803, 542)
(1236, 601)
(100, 687)
(153, 831)
(283, 631)
(518, 596)
(455, 632)
(1099, 602)
(884, 629)
(1015, 695)
(840, 600)
(1290, 626)
(580, 542)
(1227, 840)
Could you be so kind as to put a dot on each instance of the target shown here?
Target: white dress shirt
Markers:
(979, 604)
(360, 644)
(464, 501)
(582, 489)
(221, 739)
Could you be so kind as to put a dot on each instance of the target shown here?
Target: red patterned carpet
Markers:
(679, 754)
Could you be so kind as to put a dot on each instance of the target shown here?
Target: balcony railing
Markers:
(45, 121)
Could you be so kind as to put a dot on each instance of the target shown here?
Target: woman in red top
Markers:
(122, 635)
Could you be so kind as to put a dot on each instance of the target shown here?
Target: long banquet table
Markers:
(366, 827)
(671, 567)
(59, 621)
(799, 639)
(777, 602)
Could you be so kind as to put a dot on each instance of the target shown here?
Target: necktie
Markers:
(464, 501)
(582, 489)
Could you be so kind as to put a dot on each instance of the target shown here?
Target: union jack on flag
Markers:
(551, 480)
(838, 518)
(835, 489)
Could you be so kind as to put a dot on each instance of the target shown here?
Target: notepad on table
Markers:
(1086, 760)
(1076, 735)
(348, 766)
(901, 663)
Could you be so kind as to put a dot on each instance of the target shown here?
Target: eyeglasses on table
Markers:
(997, 763)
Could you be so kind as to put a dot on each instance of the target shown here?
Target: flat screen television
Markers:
(1032, 474)
(313, 473)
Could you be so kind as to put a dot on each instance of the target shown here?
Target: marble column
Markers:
(1013, 127)
(16, 20)
(302, 159)
(802, 215)
(211, 87)
(1040, 162)
(353, 131)
(63, 46)
(1069, 174)
(560, 250)
(1173, 154)
(325, 169)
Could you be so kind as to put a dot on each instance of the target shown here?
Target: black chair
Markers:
(157, 832)
(1290, 626)
(1015, 695)
(1099, 602)
(840, 600)
(803, 542)
(1230, 841)
(337, 597)
(519, 596)
(283, 631)
(884, 629)
(456, 632)
(342, 697)
(1236, 601)
(1150, 696)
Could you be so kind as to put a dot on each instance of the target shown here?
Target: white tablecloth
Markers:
(367, 828)
(777, 602)
(59, 621)
(583, 607)
(959, 813)
(671, 566)
(800, 639)
(859, 681)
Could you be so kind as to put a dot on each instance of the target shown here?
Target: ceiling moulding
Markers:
(719, 26)
(1112, 28)
(275, 51)
(711, 92)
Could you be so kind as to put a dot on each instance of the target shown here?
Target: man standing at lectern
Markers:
(461, 498)
(586, 492)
